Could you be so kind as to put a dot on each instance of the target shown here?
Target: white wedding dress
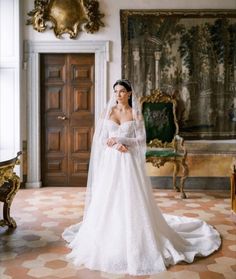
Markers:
(124, 230)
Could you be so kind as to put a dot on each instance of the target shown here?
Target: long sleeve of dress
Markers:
(104, 137)
(138, 140)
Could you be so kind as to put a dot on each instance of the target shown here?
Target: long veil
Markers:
(99, 143)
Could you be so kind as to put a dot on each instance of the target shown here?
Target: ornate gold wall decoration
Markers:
(66, 16)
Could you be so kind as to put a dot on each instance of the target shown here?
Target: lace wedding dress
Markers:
(124, 230)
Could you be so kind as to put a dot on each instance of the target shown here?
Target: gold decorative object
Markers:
(9, 185)
(177, 153)
(66, 16)
(233, 189)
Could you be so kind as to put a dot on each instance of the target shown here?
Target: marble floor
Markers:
(35, 248)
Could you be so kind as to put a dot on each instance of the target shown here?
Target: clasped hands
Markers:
(120, 147)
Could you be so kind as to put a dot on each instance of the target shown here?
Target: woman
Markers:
(123, 230)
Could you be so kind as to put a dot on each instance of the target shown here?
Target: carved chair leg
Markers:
(183, 178)
(8, 220)
(175, 172)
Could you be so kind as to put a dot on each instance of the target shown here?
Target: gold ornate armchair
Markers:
(9, 185)
(164, 143)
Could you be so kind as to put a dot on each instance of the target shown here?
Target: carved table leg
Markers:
(8, 220)
(11, 187)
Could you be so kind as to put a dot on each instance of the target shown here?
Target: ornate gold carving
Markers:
(177, 161)
(158, 143)
(66, 16)
(158, 96)
(187, 13)
(9, 185)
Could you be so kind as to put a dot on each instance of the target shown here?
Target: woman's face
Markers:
(122, 95)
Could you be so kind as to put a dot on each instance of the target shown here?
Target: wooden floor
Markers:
(36, 250)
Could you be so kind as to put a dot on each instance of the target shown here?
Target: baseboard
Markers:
(194, 183)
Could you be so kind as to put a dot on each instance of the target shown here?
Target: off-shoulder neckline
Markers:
(128, 121)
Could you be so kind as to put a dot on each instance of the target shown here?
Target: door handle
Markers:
(61, 117)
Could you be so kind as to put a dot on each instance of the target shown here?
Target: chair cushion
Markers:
(162, 153)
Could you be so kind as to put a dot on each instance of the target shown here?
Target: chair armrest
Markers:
(179, 142)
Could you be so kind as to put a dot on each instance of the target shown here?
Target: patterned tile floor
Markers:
(36, 250)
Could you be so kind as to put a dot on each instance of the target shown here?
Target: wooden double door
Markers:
(67, 117)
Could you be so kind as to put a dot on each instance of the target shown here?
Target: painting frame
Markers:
(205, 90)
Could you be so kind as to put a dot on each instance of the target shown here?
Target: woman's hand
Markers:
(111, 142)
(122, 148)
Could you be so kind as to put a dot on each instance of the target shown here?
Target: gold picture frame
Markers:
(66, 16)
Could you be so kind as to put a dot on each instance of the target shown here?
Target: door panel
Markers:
(67, 110)
(80, 153)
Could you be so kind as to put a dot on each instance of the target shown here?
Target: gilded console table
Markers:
(9, 185)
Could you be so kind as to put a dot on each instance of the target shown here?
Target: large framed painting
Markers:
(189, 53)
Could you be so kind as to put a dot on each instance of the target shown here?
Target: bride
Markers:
(123, 230)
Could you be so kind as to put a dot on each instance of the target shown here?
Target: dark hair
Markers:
(127, 85)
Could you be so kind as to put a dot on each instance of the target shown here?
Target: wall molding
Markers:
(192, 183)
(32, 51)
(211, 147)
